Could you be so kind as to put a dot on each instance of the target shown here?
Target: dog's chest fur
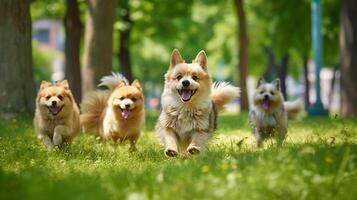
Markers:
(48, 124)
(264, 119)
(267, 122)
(115, 127)
(183, 120)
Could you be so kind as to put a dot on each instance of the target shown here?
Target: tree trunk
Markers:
(307, 84)
(332, 86)
(270, 72)
(283, 70)
(17, 90)
(124, 44)
(98, 47)
(243, 55)
(348, 48)
(73, 29)
(276, 70)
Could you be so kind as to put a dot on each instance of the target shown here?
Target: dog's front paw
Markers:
(170, 152)
(49, 145)
(194, 150)
(57, 139)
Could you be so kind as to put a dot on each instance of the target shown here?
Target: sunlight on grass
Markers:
(317, 161)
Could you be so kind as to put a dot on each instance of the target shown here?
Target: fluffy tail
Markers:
(293, 108)
(113, 80)
(93, 107)
(222, 93)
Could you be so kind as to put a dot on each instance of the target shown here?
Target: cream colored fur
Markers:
(188, 125)
(101, 110)
(55, 130)
(223, 93)
(271, 120)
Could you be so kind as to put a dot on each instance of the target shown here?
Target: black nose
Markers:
(127, 106)
(185, 83)
(266, 97)
(54, 103)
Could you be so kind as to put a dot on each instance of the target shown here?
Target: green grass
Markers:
(317, 161)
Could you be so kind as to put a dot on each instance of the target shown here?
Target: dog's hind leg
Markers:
(133, 140)
(281, 136)
(259, 138)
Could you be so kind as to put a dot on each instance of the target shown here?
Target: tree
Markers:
(276, 70)
(73, 29)
(98, 49)
(243, 54)
(16, 85)
(348, 48)
(124, 41)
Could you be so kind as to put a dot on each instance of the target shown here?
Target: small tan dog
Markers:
(57, 115)
(189, 105)
(269, 114)
(117, 113)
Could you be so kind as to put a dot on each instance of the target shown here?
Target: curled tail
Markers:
(293, 108)
(222, 93)
(113, 80)
(93, 108)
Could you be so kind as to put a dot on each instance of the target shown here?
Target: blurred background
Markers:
(83, 40)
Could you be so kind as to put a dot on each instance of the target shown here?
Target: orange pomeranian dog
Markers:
(189, 105)
(117, 113)
(57, 115)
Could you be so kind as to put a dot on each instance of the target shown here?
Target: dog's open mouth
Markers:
(265, 104)
(186, 94)
(54, 110)
(125, 113)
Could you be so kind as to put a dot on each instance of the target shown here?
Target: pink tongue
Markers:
(265, 105)
(125, 114)
(54, 109)
(186, 95)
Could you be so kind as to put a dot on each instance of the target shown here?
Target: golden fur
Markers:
(117, 113)
(269, 113)
(189, 113)
(57, 115)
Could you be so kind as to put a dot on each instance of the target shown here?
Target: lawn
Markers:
(317, 161)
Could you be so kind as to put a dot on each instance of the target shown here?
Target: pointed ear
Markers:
(63, 83)
(276, 83)
(136, 84)
(201, 59)
(44, 84)
(176, 58)
(121, 84)
(261, 81)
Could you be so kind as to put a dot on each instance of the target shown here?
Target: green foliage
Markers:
(159, 26)
(42, 62)
(330, 31)
(316, 162)
(53, 9)
(286, 28)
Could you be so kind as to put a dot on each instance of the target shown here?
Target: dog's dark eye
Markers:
(133, 99)
(60, 97)
(272, 93)
(195, 78)
(179, 77)
(48, 97)
(261, 92)
(121, 98)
